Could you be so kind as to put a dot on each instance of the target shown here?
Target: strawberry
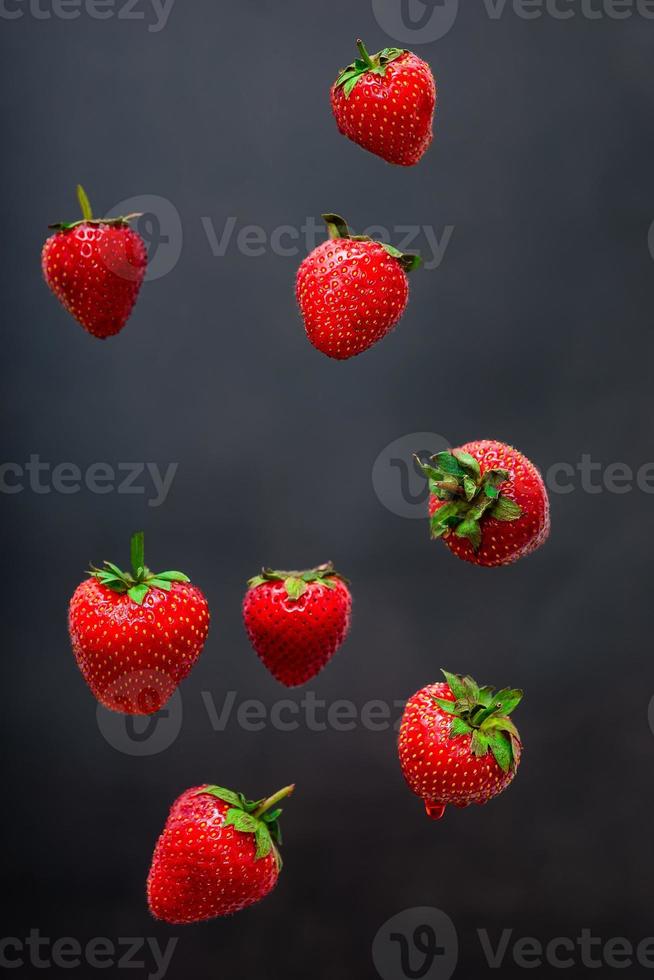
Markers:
(217, 855)
(352, 291)
(457, 743)
(296, 621)
(487, 502)
(136, 637)
(385, 103)
(95, 268)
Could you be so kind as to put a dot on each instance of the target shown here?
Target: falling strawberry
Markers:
(95, 268)
(136, 636)
(457, 743)
(352, 291)
(217, 855)
(385, 103)
(487, 502)
(296, 621)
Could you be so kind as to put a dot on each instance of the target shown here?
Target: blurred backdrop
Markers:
(532, 323)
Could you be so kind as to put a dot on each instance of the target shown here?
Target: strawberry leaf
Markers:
(479, 744)
(295, 587)
(509, 699)
(460, 727)
(264, 842)
(506, 510)
(449, 707)
(455, 684)
(137, 593)
(502, 749)
(240, 820)
(226, 795)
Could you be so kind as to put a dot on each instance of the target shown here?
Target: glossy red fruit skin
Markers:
(442, 770)
(134, 657)
(391, 116)
(96, 271)
(201, 868)
(350, 294)
(505, 542)
(296, 638)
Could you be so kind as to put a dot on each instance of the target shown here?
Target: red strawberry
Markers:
(457, 743)
(95, 268)
(296, 621)
(217, 855)
(386, 104)
(136, 637)
(488, 503)
(352, 291)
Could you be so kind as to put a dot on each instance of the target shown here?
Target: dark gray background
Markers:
(536, 329)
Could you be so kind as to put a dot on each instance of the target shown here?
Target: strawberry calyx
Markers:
(483, 713)
(138, 583)
(297, 583)
(338, 228)
(87, 216)
(258, 817)
(455, 477)
(375, 64)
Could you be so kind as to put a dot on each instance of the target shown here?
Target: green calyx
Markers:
(455, 478)
(87, 216)
(260, 817)
(483, 713)
(338, 228)
(138, 583)
(375, 64)
(297, 583)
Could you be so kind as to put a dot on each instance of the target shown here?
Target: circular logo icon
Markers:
(417, 944)
(416, 21)
(160, 227)
(397, 479)
(139, 734)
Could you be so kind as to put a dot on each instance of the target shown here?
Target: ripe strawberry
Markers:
(95, 268)
(296, 621)
(352, 291)
(385, 103)
(457, 743)
(217, 855)
(136, 637)
(488, 503)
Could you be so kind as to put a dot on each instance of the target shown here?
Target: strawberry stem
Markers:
(272, 800)
(336, 226)
(137, 554)
(84, 203)
(364, 53)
